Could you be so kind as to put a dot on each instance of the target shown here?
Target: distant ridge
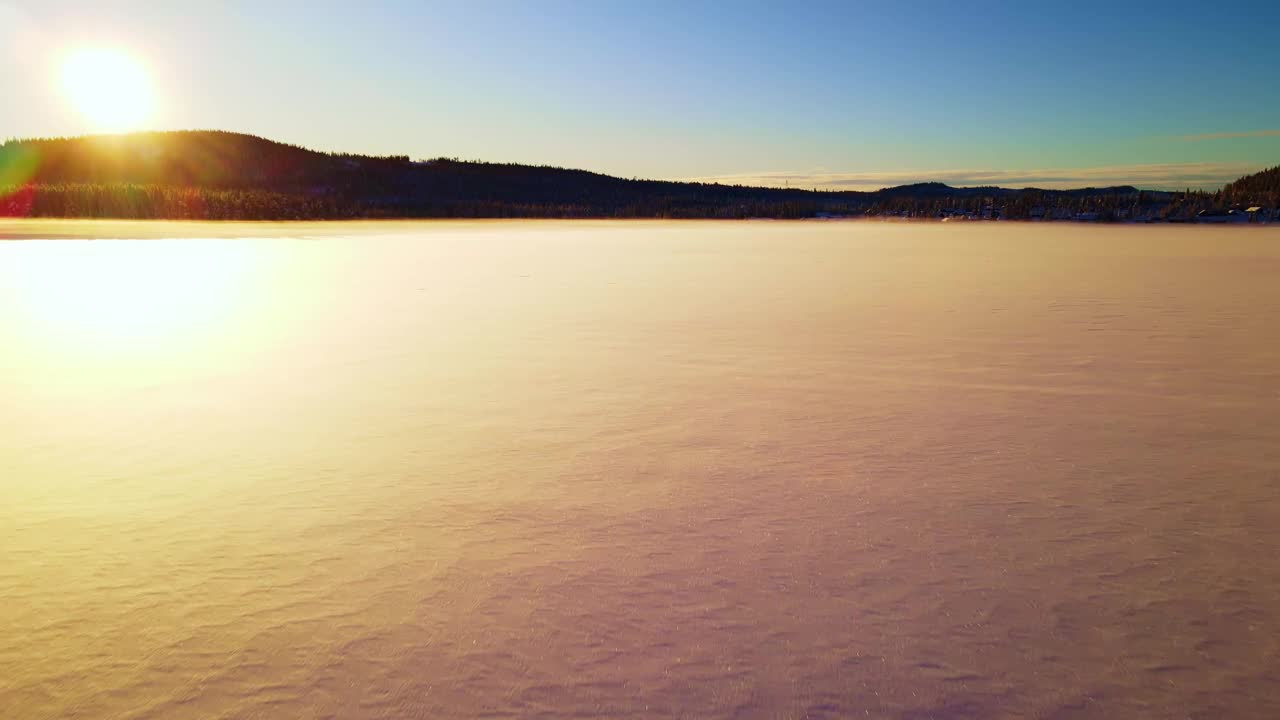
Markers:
(937, 189)
(216, 174)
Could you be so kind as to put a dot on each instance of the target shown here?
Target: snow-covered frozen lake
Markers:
(639, 470)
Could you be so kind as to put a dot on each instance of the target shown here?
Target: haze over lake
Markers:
(641, 470)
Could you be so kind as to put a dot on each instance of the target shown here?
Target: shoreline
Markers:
(16, 229)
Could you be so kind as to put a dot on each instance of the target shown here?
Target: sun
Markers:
(110, 88)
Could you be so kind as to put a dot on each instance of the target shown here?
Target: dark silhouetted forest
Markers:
(1262, 188)
(223, 175)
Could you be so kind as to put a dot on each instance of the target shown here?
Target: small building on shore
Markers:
(1221, 216)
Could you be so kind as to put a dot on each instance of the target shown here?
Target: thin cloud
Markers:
(1227, 135)
(1163, 176)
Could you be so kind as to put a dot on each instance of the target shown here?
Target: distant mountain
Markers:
(925, 189)
(937, 189)
(224, 175)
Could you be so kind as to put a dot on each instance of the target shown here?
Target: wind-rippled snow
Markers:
(641, 470)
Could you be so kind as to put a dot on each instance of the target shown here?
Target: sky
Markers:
(853, 95)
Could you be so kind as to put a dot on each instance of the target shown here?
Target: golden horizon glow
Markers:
(110, 88)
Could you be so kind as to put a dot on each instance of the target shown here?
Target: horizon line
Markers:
(1157, 177)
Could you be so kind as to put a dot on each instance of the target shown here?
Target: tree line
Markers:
(222, 175)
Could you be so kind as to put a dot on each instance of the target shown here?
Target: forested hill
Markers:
(262, 178)
(1262, 188)
(211, 159)
(223, 175)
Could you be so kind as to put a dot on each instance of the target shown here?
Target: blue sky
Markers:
(846, 94)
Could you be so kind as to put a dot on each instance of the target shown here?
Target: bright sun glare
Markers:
(93, 298)
(111, 89)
